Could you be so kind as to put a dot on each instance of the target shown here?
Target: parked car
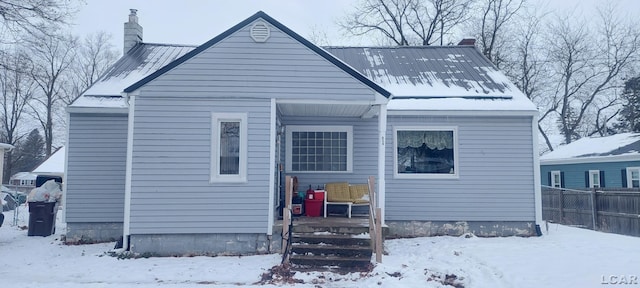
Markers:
(11, 200)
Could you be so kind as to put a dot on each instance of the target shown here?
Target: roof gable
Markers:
(54, 164)
(260, 15)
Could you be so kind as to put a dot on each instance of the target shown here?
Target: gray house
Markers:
(181, 148)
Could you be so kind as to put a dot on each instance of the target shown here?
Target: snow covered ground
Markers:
(563, 257)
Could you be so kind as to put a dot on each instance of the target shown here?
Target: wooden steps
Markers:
(321, 247)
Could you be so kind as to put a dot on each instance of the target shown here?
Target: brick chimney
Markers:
(468, 41)
(132, 31)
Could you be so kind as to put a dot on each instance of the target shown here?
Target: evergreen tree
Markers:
(630, 113)
(30, 152)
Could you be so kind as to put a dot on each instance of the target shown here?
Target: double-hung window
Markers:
(229, 147)
(426, 152)
(556, 179)
(633, 177)
(319, 149)
(594, 179)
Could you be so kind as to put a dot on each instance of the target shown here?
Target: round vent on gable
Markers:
(260, 32)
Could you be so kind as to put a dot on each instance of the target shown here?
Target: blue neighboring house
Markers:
(612, 161)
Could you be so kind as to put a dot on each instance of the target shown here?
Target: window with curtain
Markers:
(426, 152)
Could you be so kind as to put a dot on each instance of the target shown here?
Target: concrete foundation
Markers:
(205, 244)
(85, 233)
(405, 229)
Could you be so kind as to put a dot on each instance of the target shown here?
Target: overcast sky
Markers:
(196, 21)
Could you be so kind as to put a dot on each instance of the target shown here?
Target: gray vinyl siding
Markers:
(239, 67)
(170, 188)
(365, 151)
(95, 176)
(496, 180)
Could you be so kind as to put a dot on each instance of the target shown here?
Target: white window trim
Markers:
(311, 128)
(456, 152)
(216, 177)
(629, 180)
(553, 179)
(591, 173)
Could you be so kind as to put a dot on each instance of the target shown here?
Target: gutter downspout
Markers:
(129, 162)
(382, 132)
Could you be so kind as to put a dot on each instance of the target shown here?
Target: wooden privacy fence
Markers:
(607, 211)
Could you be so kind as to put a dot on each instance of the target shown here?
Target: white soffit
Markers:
(291, 109)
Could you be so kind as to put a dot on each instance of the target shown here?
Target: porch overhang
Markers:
(330, 108)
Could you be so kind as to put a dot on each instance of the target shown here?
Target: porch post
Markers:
(382, 132)
(272, 167)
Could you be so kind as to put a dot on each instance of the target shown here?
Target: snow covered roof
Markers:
(24, 176)
(436, 77)
(619, 147)
(139, 62)
(54, 164)
(447, 78)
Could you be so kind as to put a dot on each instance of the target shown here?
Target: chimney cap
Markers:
(133, 11)
(467, 41)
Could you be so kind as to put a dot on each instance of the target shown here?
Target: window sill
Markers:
(236, 180)
(426, 176)
(320, 172)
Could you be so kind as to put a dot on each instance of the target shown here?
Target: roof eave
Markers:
(593, 159)
(98, 110)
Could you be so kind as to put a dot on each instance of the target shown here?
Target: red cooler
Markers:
(318, 194)
(313, 207)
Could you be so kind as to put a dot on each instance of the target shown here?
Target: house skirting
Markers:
(85, 233)
(205, 244)
(405, 229)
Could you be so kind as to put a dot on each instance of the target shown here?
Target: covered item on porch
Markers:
(341, 193)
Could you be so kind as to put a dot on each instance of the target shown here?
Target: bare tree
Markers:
(318, 36)
(495, 16)
(407, 22)
(588, 67)
(33, 16)
(17, 89)
(94, 56)
(526, 67)
(52, 56)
